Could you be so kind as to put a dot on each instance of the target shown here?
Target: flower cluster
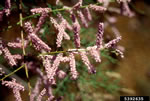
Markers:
(50, 62)
(6, 10)
(16, 88)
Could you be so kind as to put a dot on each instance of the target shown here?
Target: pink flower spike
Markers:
(28, 27)
(65, 59)
(42, 93)
(40, 10)
(76, 30)
(38, 43)
(97, 8)
(8, 56)
(99, 37)
(61, 32)
(82, 18)
(73, 71)
(51, 68)
(36, 90)
(17, 44)
(94, 52)
(112, 42)
(17, 56)
(64, 23)
(86, 61)
(87, 14)
(40, 22)
(16, 88)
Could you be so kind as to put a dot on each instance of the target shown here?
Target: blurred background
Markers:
(115, 76)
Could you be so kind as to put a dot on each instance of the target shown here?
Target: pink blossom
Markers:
(47, 64)
(28, 27)
(40, 10)
(86, 61)
(77, 5)
(61, 32)
(65, 59)
(99, 36)
(36, 90)
(16, 88)
(17, 44)
(76, 30)
(51, 68)
(82, 18)
(55, 66)
(73, 71)
(40, 22)
(97, 8)
(61, 74)
(87, 14)
(38, 43)
(64, 23)
(94, 52)
(17, 56)
(8, 56)
(42, 93)
(112, 42)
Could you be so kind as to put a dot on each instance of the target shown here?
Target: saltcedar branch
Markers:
(56, 52)
(55, 10)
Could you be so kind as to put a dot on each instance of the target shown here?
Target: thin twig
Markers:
(23, 48)
(12, 72)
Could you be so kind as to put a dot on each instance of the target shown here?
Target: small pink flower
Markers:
(40, 22)
(112, 42)
(40, 10)
(17, 44)
(61, 74)
(36, 90)
(76, 30)
(97, 8)
(16, 88)
(42, 93)
(61, 32)
(38, 43)
(86, 61)
(94, 52)
(82, 18)
(8, 56)
(28, 27)
(87, 14)
(99, 37)
(73, 71)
